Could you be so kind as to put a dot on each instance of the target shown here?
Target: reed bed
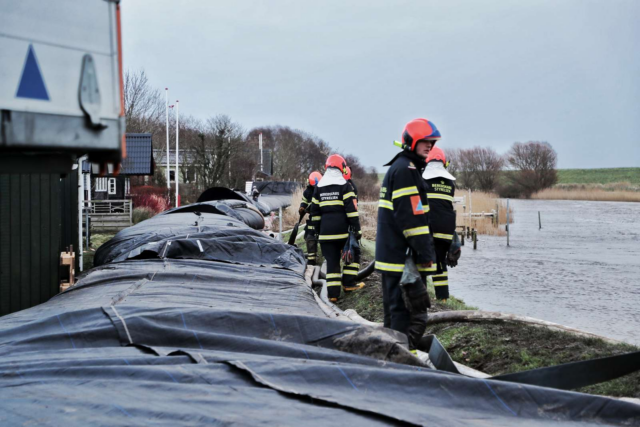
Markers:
(613, 192)
(482, 202)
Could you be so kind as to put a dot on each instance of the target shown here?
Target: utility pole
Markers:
(260, 145)
(166, 97)
(177, 150)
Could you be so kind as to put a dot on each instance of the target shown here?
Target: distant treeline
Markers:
(521, 172)
(220, 152)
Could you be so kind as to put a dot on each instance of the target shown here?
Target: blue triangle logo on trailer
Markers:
(31, 83)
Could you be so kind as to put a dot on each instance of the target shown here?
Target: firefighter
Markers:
(440, 192)
(403, 224)
(309, 237)
(347, 176)
(350, 270)
(334, 213)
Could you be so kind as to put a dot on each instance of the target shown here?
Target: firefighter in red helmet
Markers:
(403, 230)
(305, 205)
(347, 176)
(440, 192)
(334, 213)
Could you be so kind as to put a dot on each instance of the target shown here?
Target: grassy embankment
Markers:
(97, 240)
(500, 347)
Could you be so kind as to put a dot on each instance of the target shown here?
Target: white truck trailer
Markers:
(61, 85)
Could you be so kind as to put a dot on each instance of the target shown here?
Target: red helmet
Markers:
(437, 154)
(314, 178)
(347, 175)
(419, 130)
(336, 161)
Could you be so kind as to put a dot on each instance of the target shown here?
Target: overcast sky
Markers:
(354, 72)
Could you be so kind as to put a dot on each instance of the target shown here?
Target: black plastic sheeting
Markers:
(276, 195)
(276, 187)
(240, 210)
(172, 341)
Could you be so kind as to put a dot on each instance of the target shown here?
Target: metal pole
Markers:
(470, 208)
(280, 215)
(80, 205)
(539, 221)
(166, 97)
(177, 150)
(507, 226)
(261, 159)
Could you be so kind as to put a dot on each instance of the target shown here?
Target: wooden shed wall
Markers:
(36, 222)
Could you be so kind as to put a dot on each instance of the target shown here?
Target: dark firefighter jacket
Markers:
(403, 216)
(307, 194)
(440, 193)
(355, 189)
(333, 210)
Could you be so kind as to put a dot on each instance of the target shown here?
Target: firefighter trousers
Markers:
(312, 250)
(397, 316)
(332, 252)
(441, 277)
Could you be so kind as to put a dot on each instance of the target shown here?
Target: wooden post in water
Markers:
(462, 238)
(475, 239)
(507, 226)
(539, 221)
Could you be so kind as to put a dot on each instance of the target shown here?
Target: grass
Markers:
(97, 240)
(500, 348)
(590, 194)
(599, 176)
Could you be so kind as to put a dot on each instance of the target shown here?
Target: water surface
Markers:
(582, 269)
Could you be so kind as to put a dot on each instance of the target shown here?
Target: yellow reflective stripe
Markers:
(439, 196)
(416, 231)
(385, 204)
(334, 275)
(349, 194)
(432, 268)
(332, 203)
(333, 236)
(316, 218)
(310, 227)
(443, 236)
(334, 284)
(304, 199)
(352, 265)
(445, 274)
(314, 200)
(353, 214)
(407, 191)
(350, 272)
(445, 283)
(385, 266)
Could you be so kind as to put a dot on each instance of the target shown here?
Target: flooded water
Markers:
(582, 269)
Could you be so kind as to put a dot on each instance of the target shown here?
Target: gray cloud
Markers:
(353, 72)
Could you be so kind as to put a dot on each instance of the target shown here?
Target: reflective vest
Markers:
(333, 210)
(440, 192)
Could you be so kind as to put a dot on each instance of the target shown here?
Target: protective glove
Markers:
(302, 211)
(452, 258)
(414, 291)
(453, 255)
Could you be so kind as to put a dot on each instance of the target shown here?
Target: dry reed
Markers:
(482, 202)
(614, 192)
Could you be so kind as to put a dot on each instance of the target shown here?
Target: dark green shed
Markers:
(38, 220)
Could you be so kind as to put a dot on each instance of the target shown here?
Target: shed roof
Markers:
(139, 160)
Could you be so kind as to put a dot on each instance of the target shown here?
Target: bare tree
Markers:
(479, 168)
(144, 106)
(534, 166)
(211, 150)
